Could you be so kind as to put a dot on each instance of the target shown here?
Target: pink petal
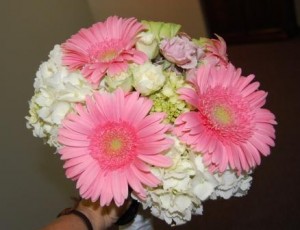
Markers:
(157, 160)
(68, 153)
(71, 142)
(83, 160)
(258, 98)
(98, 186)
(147, 178)
(106, 194)
(261, 146)
(116, 189)
(242, 158)
(134, 182)
(87, 178)
(244, 81)
(71, 135)
(265, 129)
(117, 68)
(266, 116)
(189, 95)
(248, 154)
(151, 130)
(150, 120)
(250, 89)
(140, 165)
(253, 150)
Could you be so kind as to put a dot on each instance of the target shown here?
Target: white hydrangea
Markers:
(175, 209)
(187, 183)
(174, 201)
(231, 184)
(204, 182)
(147, 78)
(223, 185)
(56, 91)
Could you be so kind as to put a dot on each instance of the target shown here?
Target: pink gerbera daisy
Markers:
(229, 126)
(108, 145)
(106, 47)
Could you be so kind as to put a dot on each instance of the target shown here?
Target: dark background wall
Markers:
(273, 200)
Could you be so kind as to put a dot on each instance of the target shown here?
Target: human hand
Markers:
(102, 217)
(98, 218)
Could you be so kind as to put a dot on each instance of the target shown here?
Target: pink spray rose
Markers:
(216, 52)
(181, 51)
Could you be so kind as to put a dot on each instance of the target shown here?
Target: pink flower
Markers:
(216, 53)
(229, 126)
(108, 145)
(106, 47)
(181, 51)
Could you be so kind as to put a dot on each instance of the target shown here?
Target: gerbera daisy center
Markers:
(107, 55)
(113, 144)
(225, 114)
(116, 145)
(222, 115)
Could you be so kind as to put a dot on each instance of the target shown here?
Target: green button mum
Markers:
(167, 100)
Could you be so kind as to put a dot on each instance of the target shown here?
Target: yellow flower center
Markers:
(107, 55)
(115, 145)
(222, 115)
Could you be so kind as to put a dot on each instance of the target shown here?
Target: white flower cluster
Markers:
(174, 201)
(146, 78)
(230, 184)
(187, 184)
(56, 92)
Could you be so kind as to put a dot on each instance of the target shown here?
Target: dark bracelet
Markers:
(83, 218)
(130, 213)
(126, 218)
(86, 220)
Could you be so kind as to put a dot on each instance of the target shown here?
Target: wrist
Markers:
(92, 212)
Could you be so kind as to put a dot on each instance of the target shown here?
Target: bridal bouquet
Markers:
(142, 107)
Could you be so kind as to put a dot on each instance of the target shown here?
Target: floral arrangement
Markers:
(142, 107)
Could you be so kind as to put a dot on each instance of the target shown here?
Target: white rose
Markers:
(148, 78)
(122, 80)
(148, 44)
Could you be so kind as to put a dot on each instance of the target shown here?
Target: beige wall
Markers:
(185, 12)
(33, 188)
